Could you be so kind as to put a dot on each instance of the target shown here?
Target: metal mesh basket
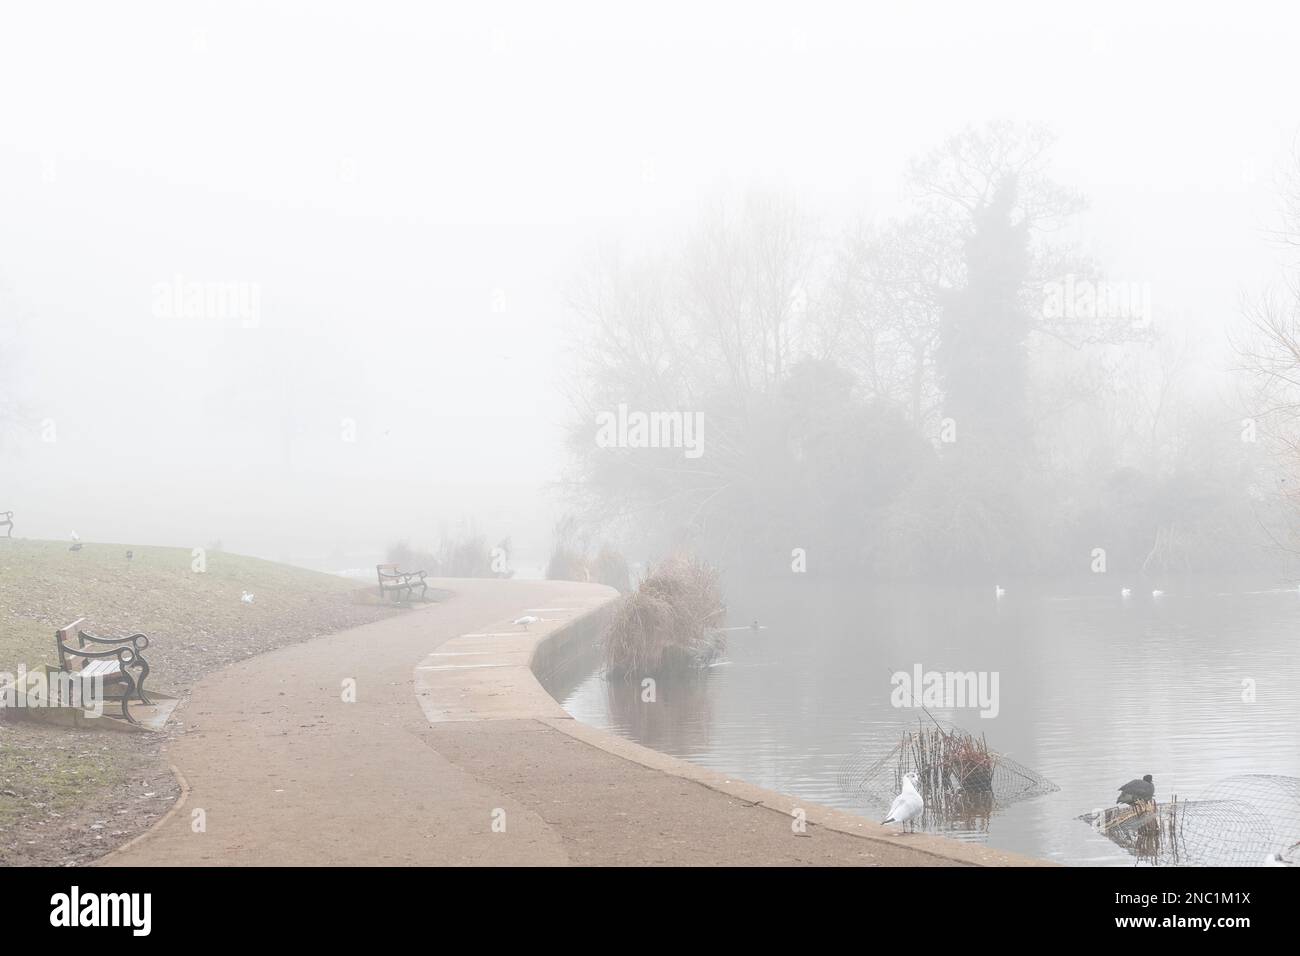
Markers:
(1245, 820)
(962, 781)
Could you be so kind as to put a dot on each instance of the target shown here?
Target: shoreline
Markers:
(553, 650)
(451, 752)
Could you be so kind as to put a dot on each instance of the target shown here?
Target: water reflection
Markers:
(674, 715)
(970, 811)
(1095, 689)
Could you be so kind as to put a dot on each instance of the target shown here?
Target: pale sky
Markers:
(412, 186)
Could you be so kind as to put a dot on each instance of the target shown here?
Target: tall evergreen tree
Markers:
(982, 361)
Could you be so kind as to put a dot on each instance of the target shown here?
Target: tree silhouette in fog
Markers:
(901, 402)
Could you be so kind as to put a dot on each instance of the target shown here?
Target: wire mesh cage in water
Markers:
(962, 780)
(1274, 796)
(1186, 832)
(1243, 821)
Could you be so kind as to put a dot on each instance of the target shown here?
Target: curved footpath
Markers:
(449, 733)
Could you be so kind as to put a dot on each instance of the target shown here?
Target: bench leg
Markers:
(139, 684)
(128, 694)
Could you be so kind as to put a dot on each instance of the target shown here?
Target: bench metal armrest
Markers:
(124, 654)
(401, 575)
(138, 641)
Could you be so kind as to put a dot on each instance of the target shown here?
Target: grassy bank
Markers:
(72, 795)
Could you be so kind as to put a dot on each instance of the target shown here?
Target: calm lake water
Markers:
(1094, 690)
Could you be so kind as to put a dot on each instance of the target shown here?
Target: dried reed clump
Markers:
(667, 625)
(954, 766)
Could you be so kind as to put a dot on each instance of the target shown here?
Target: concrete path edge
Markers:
(579, 638)
(499, 672)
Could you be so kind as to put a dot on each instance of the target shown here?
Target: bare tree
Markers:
(966, 172)
(715, 332)
(886, 309)
(1269, 348)
(746, 273)
(1269, 353)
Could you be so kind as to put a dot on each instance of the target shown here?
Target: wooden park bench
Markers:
(391, 579)
(7, 521)
(114, 665)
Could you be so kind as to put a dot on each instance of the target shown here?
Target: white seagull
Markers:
(246, 597)
(1157, 594)
(999, 591)
(1125, 592)
(526, 620)
(907, 805)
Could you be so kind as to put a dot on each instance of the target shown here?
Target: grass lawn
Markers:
(73, 794)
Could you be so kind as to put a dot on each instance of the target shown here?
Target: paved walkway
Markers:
(433, 751)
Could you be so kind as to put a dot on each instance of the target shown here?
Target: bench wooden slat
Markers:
(102, 668)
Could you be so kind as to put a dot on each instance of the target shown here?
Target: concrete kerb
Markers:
(497, 674)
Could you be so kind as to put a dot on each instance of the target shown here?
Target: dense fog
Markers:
(946, 296)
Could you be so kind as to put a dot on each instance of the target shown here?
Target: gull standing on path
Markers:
(908, 804)
(526, 620)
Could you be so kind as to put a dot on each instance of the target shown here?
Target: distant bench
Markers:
(391, 579)
(113, 665)
(7, 521)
